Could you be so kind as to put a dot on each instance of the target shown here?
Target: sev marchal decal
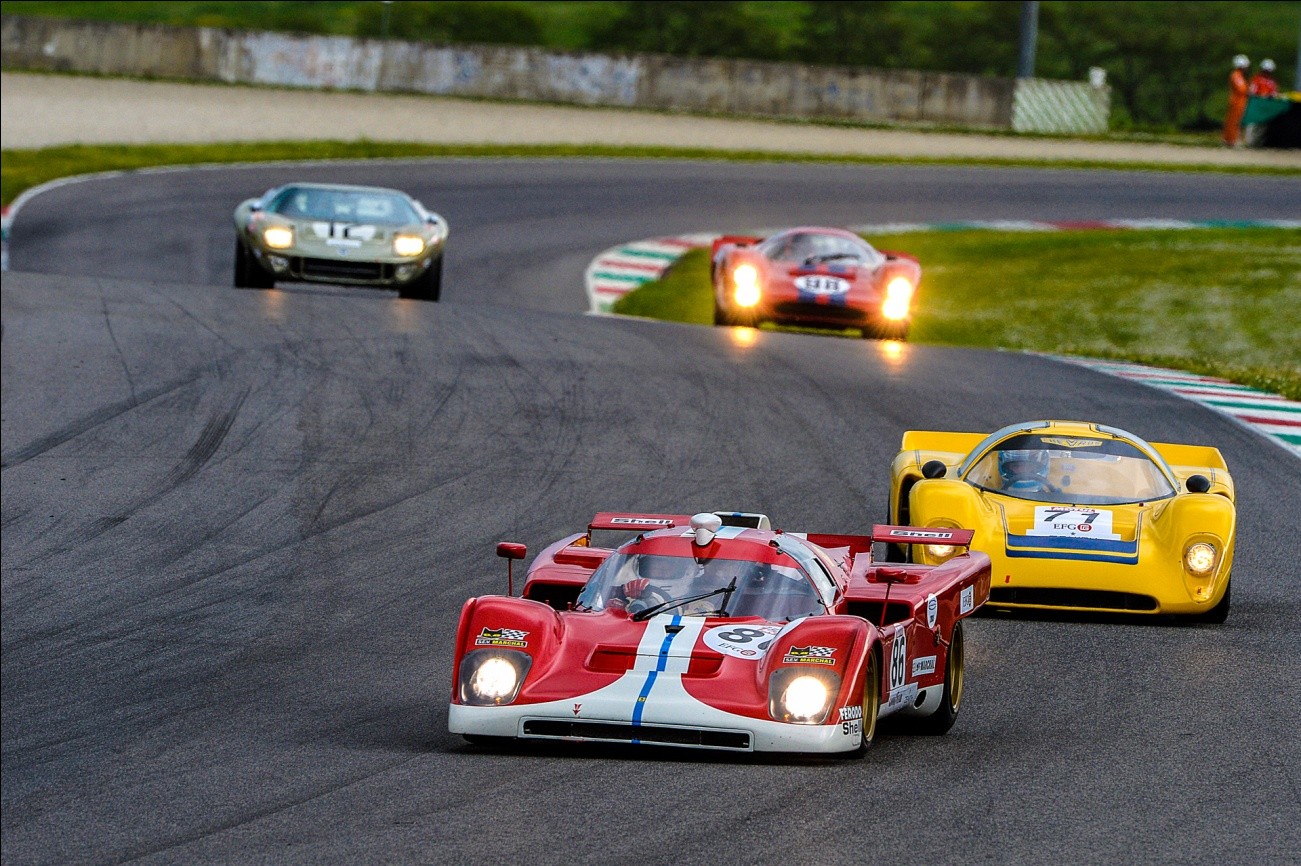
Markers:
(811, 655)
(502, 637)
(923, 666)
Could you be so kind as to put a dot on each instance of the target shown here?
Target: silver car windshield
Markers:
(1077, 471)
(777, 593)
(814, 247)
(354, 206)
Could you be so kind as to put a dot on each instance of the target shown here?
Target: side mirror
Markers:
(934, 469)
(511, 551)
(1197, 484)
(255, 207)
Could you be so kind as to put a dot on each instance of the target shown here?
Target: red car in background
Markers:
(818, 277)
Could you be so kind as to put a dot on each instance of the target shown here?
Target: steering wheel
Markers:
(650, 596)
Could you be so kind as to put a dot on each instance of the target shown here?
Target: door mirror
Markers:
(511, 550)
(934, 469)
(1197, 484)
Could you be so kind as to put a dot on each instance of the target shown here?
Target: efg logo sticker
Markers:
(811, 655)
(502, 637)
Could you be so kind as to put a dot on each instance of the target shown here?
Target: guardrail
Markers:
(719, 86)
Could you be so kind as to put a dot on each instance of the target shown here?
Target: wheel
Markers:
(1219, 613)
(721, 316)
(248, 273)
(428, 286)
(871, 703)
(955, 675)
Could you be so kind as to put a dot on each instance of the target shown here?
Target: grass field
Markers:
(1223, 302)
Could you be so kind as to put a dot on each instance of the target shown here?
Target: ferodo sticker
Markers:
(851, 721)
(923, 665)
(822, 285)
(642, 521)
(932, 610)
(1063, 521)
(810, 655)
(502, 637)
(741, 641)
(848, 714)
(967, 600)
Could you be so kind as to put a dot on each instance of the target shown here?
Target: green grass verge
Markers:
(1222, 302)
(23, 169)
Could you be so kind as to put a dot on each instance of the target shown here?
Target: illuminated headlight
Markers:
(278, 237)
(408, 245)
(801, 696)
(745, 280)
(898, 297)
(1199, 558)
(492, 677)
(940, 551)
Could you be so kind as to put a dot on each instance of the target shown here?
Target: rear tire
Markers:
(1218, 614)
(248, 273)
(428, 286)
(721, 316)
(882, 331)
(955, 675)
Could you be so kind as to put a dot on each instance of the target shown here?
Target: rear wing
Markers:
(936, 440)
(922, 535)
(732, 241)
(1201, 456)
(634, 522)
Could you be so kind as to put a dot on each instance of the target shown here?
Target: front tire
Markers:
(955, 675)
(871, 703)
(248, 273)
(886, 331)
(721, 316)
(428, 286)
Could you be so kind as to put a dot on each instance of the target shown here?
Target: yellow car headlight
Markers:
(940, 551)
(1199, 558)
(745, 280)
(408, 245)
(278, 237)
(898, 298)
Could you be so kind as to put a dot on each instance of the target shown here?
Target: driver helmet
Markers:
(1023, 468)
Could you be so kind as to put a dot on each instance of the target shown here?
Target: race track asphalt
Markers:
(238, 527)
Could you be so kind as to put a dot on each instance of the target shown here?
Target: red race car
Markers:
(718, 632)
(818, 277)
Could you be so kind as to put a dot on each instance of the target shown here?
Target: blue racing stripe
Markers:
(661, 663)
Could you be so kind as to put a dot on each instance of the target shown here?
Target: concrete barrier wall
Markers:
(506, 72)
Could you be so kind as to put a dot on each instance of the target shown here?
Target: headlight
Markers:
(940, 551)
(278, 237)
(1199, 558)
(408, 245)
(745, 280)
(898, 297)
(802, 696)
(492, 677)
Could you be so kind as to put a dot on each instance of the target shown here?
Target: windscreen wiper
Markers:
(827, 257)
(678, 602)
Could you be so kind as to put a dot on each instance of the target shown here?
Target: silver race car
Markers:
(347, 235)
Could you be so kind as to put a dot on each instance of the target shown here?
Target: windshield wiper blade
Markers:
(678, 602)
(827, 257)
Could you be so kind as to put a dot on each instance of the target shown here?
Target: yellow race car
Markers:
(1075, 516)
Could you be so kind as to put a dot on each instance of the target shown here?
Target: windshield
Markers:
(812, 247)
(1075, 470)
(639, 581)
(338, 205)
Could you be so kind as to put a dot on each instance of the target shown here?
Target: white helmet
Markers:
(1241, 62)
(1267, 65)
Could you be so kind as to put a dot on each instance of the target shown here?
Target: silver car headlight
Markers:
(802, 695)
(278, 237)
(408, 245)
(492, 677)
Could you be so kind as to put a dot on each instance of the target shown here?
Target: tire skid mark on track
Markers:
(101, 416)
